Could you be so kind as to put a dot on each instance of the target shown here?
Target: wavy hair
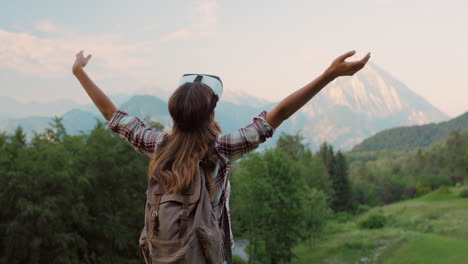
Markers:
(177, 158)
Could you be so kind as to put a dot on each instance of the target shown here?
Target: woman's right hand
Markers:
(341, 67)
(80, 61)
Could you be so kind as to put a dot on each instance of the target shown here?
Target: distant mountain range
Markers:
(346, 112)
(413, 137)
(11, 108)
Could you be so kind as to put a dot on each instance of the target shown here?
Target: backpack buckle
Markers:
(184, 213)
(154, 215)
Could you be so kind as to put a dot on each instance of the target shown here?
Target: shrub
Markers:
(359, 245)
(434, 181)
(238, 260)
(375, 220)
(464, 193)
(409, 192)
(343, 217)
(444, 189)
(432, 215)
(422, 190)
(456, 179)
(362, 208)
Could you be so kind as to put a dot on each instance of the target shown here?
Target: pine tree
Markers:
(343, 195)
(338, 173)
(292, 145)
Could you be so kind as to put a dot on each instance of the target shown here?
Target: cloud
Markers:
(176, 35)
(202, 20)
(205, 13)
(29, 53)
(47, 26)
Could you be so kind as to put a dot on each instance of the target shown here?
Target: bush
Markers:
(362, 208)
(358, 245)
(456, 179)
(237, 260)
(409, 192)
(422, 190)
(343, 217)
(464, 193)
(444, 189)
(434, 181)
(375, 220)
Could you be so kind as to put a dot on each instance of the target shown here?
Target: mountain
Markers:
(344, 113)
(76, 117)
(11, 108)
(148, 106)
(117, 99)
(351, 109)
(412, 137)
(29, 124)
(76, 121)
(242, 98)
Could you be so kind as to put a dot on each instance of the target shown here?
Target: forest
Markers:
(80, 198)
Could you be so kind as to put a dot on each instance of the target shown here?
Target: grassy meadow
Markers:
(431, 229)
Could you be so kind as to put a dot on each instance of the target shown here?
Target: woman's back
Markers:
(228, 147)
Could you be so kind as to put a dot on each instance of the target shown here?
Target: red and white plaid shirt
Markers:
(228, 147)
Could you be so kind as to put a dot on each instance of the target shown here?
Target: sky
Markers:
(267, 49)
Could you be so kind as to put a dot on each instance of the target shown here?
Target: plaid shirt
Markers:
(228, 147)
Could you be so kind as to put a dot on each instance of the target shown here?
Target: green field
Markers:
(429, 230)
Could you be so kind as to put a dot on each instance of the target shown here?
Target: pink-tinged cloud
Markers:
(181, 34)
(205, 13)
(28, 53)
(47, 26)
(202, 21)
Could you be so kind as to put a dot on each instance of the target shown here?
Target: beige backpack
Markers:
(181, 227)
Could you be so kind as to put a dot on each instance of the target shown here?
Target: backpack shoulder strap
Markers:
(224, 222)
(184, 212)
(227, 236)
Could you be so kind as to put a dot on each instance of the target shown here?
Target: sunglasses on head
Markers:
(212, 81)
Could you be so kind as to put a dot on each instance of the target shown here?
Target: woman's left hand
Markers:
(341, 67)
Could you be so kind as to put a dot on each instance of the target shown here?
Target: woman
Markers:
(197, 136)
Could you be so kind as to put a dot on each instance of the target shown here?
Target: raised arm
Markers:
(103, 103)
(292, 103)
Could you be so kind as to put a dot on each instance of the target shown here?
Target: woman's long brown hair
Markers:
(176, 160)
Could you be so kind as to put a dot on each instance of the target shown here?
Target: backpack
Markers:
(181, 227)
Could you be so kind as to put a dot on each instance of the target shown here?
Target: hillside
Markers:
(412, 137)
(430, 229)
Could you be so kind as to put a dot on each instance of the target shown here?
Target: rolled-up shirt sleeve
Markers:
(234, 145)
(143, 139)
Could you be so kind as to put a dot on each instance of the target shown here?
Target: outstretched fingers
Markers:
(88, 57)
(345, 56)
(341, 67)
(365, 59)
(81, 61)
(359, 64)
(80, 56)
